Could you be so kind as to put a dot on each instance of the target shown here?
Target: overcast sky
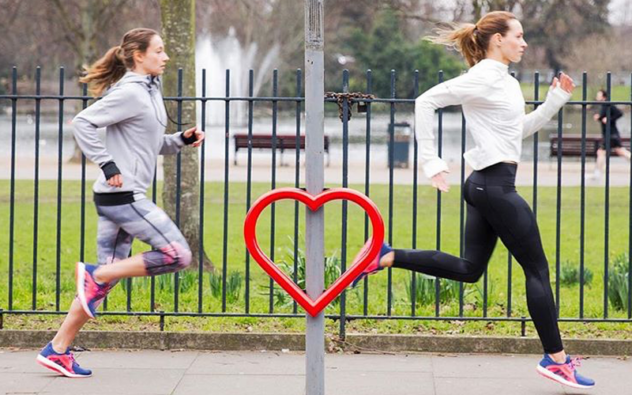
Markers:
(621, 12)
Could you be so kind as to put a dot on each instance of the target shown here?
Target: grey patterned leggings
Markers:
(142, 219)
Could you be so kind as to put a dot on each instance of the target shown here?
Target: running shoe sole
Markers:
(80, 275)
(45, 362)
(552, 376)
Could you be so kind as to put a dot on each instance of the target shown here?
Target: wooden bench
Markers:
(264, 141)
(572, 145)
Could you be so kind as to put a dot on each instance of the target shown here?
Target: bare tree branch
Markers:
(74, 44)
(66, 22)
(417, 17)
(109, 12)
(10, 18)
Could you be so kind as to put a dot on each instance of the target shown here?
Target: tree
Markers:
(606, 53)
(82, 22)
(51, 34)
(385, 48)
(552, 27)
(86, 29)
(178, 32)
(560, 25)
(481, 7)
(7, 22)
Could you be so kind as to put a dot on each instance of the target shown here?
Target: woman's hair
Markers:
(113, 65)
(472, 40)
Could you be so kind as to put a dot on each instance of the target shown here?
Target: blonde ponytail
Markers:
(472, 40)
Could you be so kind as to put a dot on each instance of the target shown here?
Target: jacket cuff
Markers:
(434, 167)
(188, 140)
(110, 170)
(559, 96)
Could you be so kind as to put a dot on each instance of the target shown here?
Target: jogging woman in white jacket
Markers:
(494, 108)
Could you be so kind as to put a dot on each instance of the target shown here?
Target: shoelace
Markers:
(71, 357)
(575, 362)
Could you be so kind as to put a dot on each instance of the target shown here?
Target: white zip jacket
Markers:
(494, 109)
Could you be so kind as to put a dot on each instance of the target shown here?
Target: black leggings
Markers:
(494, 209)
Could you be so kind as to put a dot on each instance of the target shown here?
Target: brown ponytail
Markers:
(114, 64)
(472, 41)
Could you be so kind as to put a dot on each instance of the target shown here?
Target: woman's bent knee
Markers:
(171, 258)
(180, 254)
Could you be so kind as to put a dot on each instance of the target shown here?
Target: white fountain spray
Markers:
(218, 54)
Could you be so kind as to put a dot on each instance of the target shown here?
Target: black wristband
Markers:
(110, 170)
(188, 140)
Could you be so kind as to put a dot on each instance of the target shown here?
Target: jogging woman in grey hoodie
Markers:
(133, 113)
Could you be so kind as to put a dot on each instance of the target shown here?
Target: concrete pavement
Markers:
(379, 172)
(278, 373)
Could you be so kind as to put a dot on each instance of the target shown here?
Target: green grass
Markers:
(284, 229)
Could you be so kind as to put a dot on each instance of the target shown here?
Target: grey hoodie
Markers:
(133, 113)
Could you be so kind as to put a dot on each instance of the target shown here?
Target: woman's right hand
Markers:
(439, 182)
(112, 174)
(116, 181)
(565, 82)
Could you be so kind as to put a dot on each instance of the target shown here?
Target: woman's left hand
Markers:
(565, 83)
(198, 134)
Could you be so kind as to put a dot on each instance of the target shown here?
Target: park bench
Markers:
(572, 145)
(265, 141)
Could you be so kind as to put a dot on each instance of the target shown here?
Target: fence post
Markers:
(314, 177)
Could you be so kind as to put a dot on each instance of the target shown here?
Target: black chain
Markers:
(349, 97)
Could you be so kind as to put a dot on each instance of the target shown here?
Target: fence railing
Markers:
(44, 233)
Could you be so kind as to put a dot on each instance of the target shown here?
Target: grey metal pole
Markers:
(314, 177)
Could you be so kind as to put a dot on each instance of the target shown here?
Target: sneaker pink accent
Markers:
(89, 292)
(372, 268)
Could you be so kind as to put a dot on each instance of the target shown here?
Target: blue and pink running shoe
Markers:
(374, 266)
(89, 292)
(63, 364)
(564, 373)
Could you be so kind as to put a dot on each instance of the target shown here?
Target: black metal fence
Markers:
(14, 300)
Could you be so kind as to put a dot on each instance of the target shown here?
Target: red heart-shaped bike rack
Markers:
(313, 203)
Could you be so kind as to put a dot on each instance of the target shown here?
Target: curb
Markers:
(358, 343)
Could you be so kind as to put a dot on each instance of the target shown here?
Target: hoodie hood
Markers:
(152, 85)
(149, 82)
